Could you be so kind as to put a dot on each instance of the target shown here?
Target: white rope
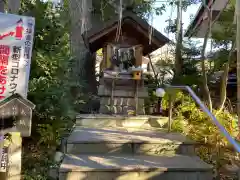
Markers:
(84, 16)
(119, 27)
(120, 11)
(84, 7)
(102, 10)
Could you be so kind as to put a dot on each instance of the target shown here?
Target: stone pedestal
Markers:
(15, 157)
(121, 94)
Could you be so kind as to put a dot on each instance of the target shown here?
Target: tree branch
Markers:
(207, 94)
(224, 80)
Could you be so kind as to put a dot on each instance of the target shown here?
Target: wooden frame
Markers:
(108, 51)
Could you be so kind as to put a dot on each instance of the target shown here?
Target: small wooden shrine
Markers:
(121, 88)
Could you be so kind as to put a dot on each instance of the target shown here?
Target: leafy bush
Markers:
(199, 125)
(190, 120)
(49, 88)
(50, 82)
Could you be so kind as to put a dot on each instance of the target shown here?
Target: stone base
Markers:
(15, 157)
(122, 106)
(124, 98)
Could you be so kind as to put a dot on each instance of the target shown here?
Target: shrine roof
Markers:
(25, 101)
(132, 26)
(199, 25)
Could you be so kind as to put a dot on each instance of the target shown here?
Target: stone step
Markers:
(103, 120)
(112, 140)
(127, 167)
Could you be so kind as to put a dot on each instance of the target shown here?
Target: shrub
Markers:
(190, 120)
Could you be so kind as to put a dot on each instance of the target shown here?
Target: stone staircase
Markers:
(105, 147)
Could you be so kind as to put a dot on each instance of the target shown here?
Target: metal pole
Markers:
(170, 113)
(136, 97)
(112, 95)
(238, 61)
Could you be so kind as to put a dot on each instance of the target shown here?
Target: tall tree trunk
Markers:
(2, 6)
(178, 54)
(84, 61)
(178, 60)
(13, 6)
(207, 95)
(224, 79)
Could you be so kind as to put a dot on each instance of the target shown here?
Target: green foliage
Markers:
(188, 117)
(185, 4)
(49, 86)
(191, 75)
(200, 126)
(190, 120)
(219, 58)
(49, 80)
(226, 32)
(105, 8)
(145, 8)
(223, 36)
(172, 23)
(37, 161)
(195, 122)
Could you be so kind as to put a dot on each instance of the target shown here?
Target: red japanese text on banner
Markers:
(16, 42)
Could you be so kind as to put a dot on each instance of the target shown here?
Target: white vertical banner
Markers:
(16, 42)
